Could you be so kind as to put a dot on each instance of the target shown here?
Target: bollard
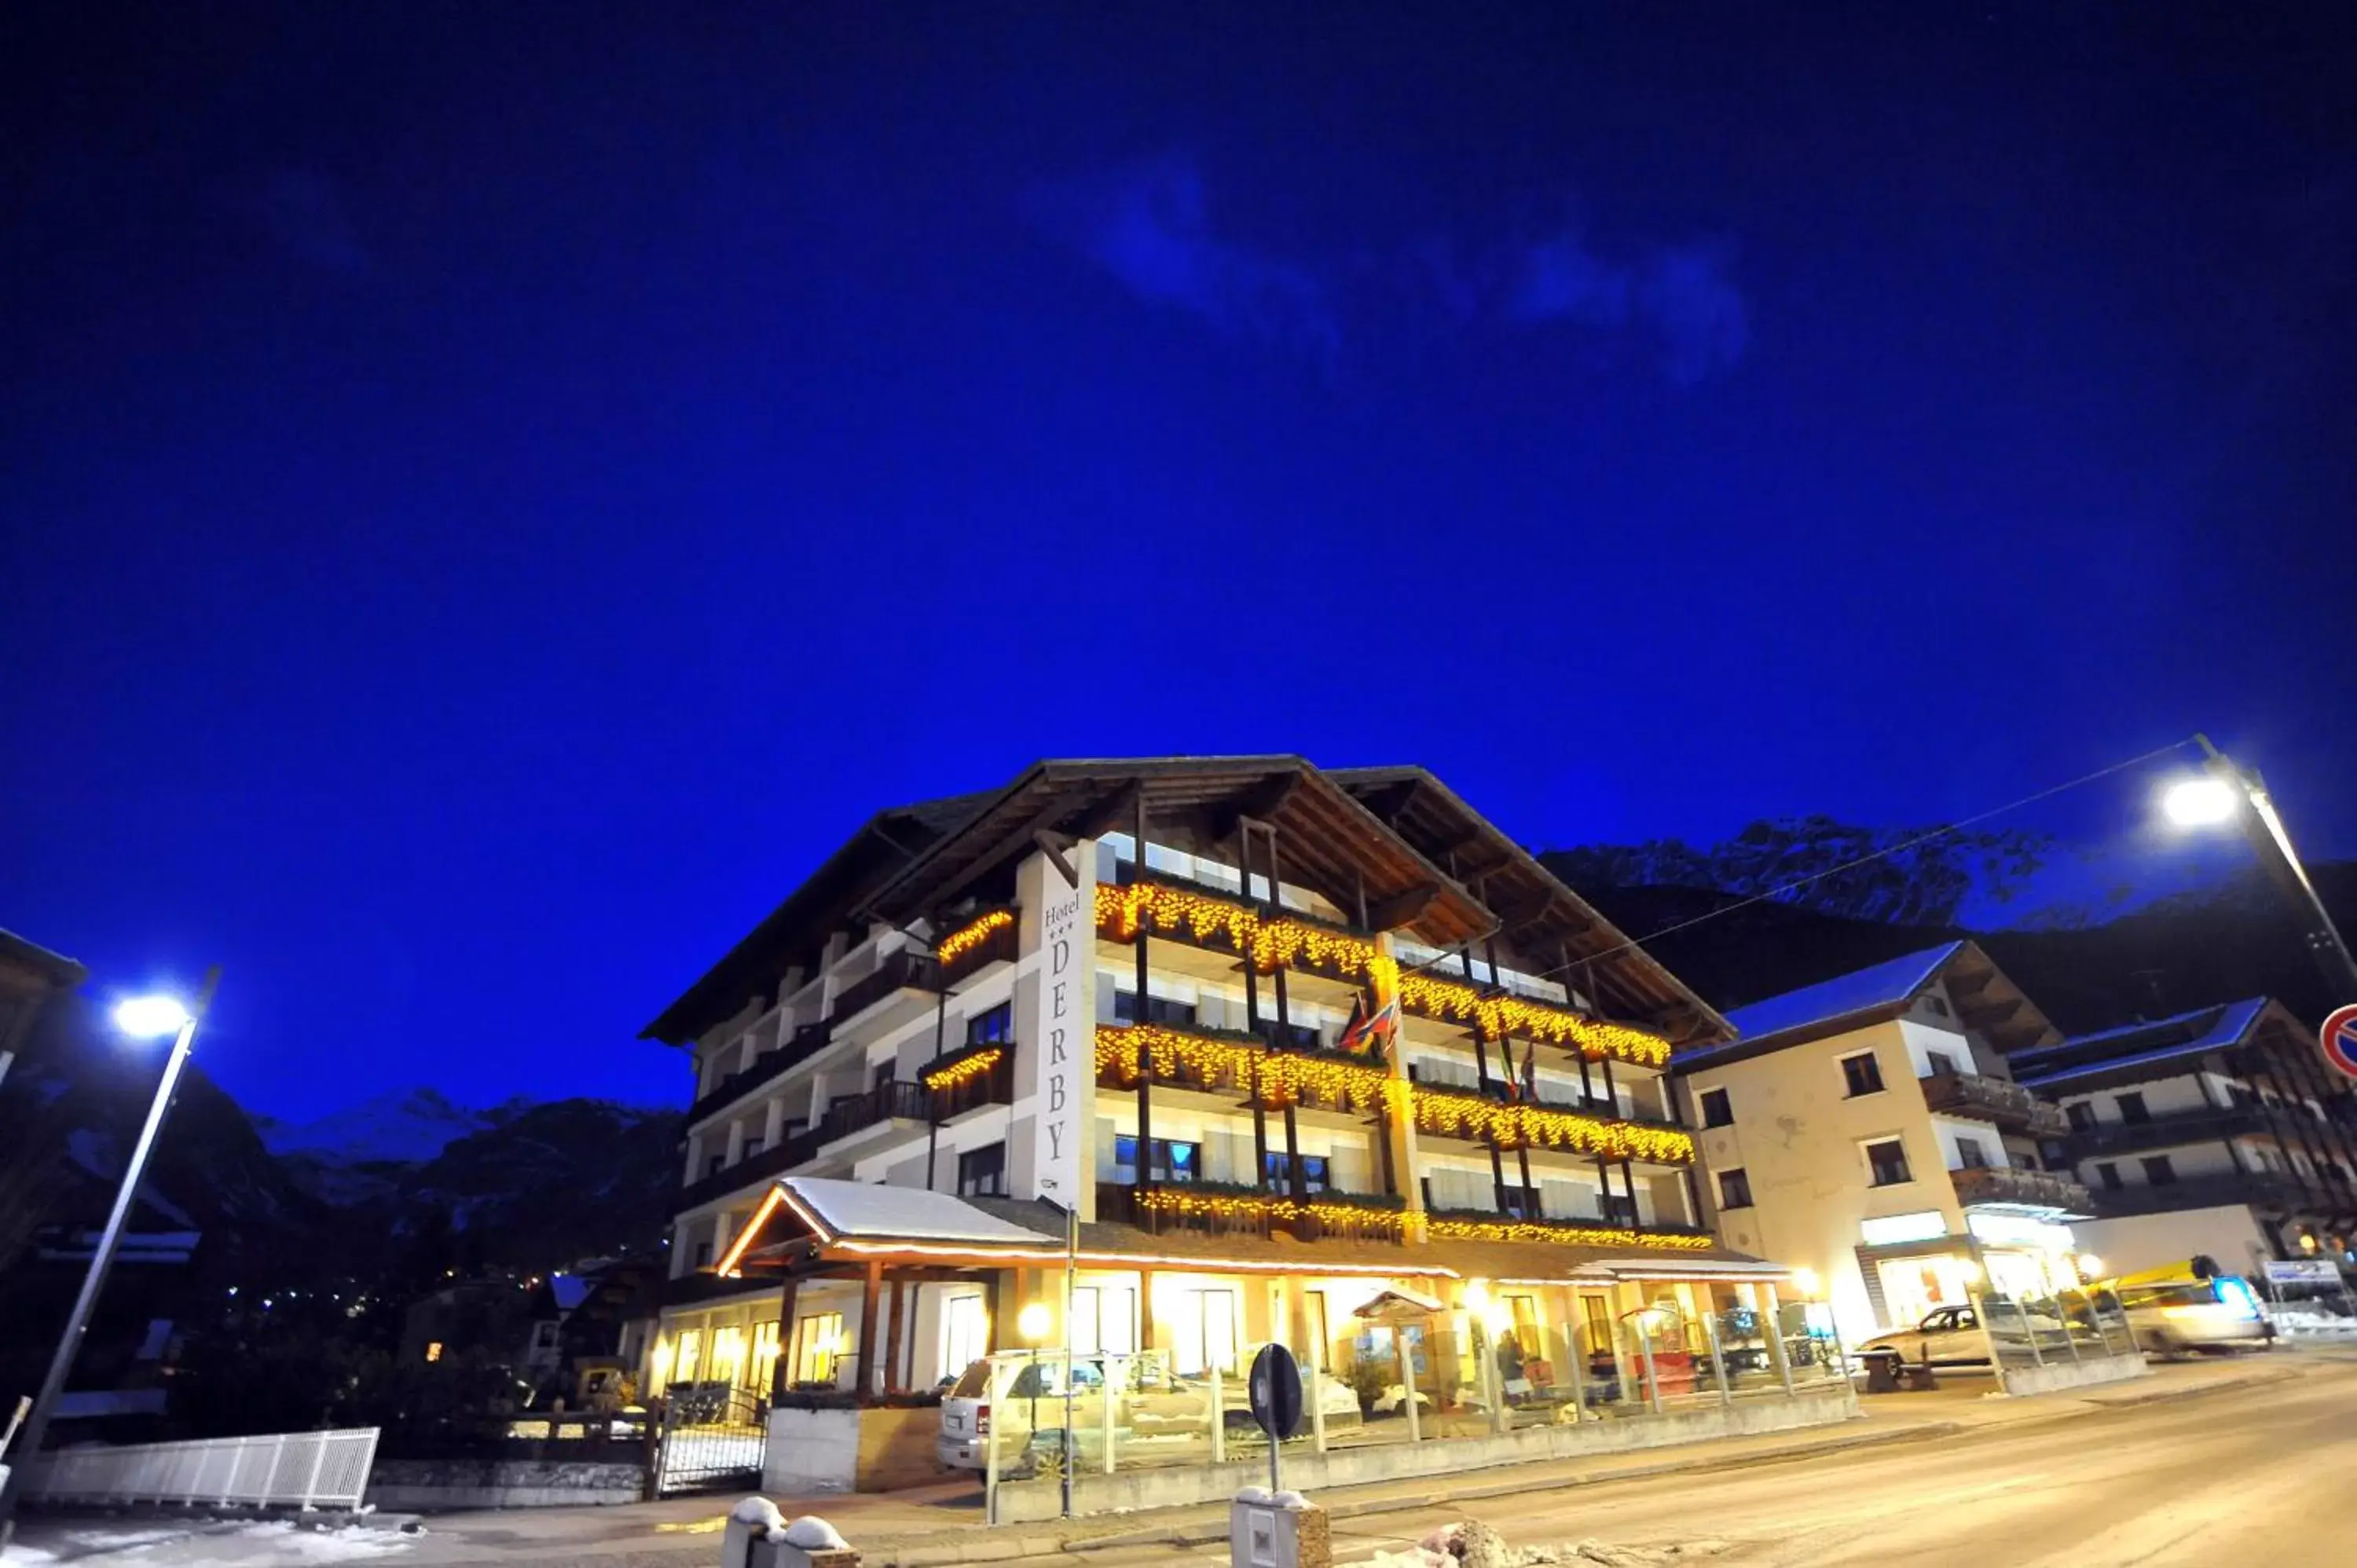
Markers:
(1277, 1529)
(757, 1536)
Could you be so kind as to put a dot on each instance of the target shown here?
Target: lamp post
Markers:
(2224, 791)
(143, 1017)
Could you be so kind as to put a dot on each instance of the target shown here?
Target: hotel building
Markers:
(1286, 1042)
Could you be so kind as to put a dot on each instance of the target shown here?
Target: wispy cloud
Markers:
(1149, 226)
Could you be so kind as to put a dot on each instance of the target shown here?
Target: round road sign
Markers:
(1276, 1391)
(2338, 1038)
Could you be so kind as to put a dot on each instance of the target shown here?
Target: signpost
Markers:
(2338, 1038)
(1275, 1391)
(2303, 1272)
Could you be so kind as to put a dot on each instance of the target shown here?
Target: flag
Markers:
(1366, 1033)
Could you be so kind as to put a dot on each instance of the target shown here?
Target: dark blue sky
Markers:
(493, 493)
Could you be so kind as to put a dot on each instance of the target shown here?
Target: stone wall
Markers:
(2056, 1376)
(432, 1485)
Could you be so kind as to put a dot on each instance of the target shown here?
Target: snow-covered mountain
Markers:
(405, 1127)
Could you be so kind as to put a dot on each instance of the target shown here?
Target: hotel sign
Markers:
(1061, 1031)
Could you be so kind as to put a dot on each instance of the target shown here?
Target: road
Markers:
(2259, 1473)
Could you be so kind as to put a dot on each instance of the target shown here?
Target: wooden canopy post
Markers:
(870, 1290)
(781, 1370)
(894, 1336)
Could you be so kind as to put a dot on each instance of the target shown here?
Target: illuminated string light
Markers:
(1289, 1077)
(968, 937)
(962, 1068)
(1196, 1203)
(1288, 941)
(1456, 1227)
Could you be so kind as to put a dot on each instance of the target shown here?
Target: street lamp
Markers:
(142, 1017)
(2226, 792)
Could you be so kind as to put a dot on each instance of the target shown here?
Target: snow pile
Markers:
(1471, 1545)
(271, 1543)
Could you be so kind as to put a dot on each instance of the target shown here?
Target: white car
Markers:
(2213, 1316)
(1947, 1336)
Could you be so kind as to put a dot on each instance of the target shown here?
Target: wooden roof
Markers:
(1540, 917)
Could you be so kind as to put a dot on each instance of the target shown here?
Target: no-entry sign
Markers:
(2338, 1038)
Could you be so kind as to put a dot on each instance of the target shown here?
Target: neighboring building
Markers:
(1867, 1129)
(2214, 1131)
(30, 975)
(982, 1002)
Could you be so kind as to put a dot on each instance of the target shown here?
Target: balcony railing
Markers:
(907, 970)
(952, 1093)
(1996, 1100)
(893, 1102)
(808, 1041)
(2268, 1189)
(2012, 1184)
(1214, 1209)
(2159, 1131)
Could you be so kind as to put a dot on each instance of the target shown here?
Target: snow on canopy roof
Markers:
(1886, 984)
(2227, 1025)
(859, 1209)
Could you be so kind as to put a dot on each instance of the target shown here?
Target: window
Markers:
(1521, 1203)
(1716, 1111)
(1289, 1036)
(995, 1027)
(1158, 1009)
(982, 1173)
(713, 1166)
(1943, 1064)
(2108, 1173)
(703, 1254)
(1862, 1073)
(1173, 1162)
(1971, 1155)
(1734, 1189)
(965, 1332)
(752, 1147)
(763, 1370)
(1888, 1161)
(434, 1349)
(2132, 1107)
(1278, 1168)
(2081, 1113)
(818, 1346)
(2157, 1170)
(1935, 1004)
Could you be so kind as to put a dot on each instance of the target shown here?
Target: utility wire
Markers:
(1774, 892)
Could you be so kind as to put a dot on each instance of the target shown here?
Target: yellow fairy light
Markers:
(967, 938)
(1287, 1078)
(1191, 1202)
(962, 1068)
(1124, 910)
(1455, 1227)
(1523, 1124)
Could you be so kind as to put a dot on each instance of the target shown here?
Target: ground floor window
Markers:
(1204, 1330)
(727, 1355)
(1911, 1288)
(690, 1360)
(1104, 1317)
(818, 1346)
(965, 1333)
(763, 1368)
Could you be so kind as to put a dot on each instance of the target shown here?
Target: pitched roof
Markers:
(1855, 996)
(1540, 913)
(861, 1210)
(58, 969)
(2140, 1043)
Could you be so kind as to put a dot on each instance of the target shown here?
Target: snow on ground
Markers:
(261, 1543)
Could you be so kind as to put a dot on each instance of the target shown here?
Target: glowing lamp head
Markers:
(2307, 1242)
(1032, 1322)
(2198, 803)
(2091, 1267)
(1805, 1282)
(150, 1017)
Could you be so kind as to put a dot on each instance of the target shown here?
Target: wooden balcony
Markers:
(1995, 1099)
(2026, 1188)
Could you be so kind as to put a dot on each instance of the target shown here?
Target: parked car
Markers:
(2213, 1316)
(1946, 1336)
(1148, 1403)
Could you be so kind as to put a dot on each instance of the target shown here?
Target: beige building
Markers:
(1867, 1131)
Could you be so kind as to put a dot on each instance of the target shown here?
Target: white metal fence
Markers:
(295, 1469)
